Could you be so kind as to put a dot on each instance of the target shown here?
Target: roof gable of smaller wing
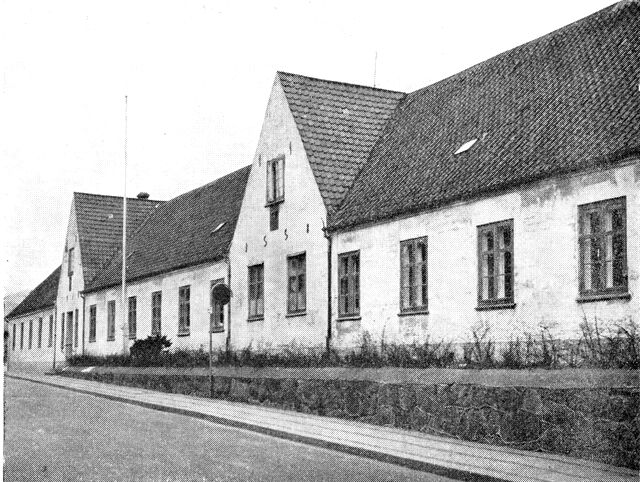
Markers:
(42, 297)
(193, 228)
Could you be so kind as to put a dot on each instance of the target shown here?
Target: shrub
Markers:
(149, 349)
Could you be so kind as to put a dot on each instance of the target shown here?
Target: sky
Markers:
(197, 76)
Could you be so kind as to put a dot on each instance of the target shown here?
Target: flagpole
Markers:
(125, 330)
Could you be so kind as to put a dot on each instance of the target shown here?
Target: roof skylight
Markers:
(466, 146)
(218, 227)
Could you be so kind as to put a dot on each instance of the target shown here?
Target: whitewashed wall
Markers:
(545, 221)
(199, 278)
(302, 217)
(34, 358)
(70, 299)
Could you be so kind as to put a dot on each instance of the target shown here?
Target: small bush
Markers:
(149, 350)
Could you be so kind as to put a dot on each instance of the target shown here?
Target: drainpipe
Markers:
(55, 334)
(83, 316)
(228, 342)
(329, 297)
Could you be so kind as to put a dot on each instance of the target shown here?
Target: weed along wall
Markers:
(589, 414)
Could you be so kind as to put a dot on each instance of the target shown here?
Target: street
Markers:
(55, 434)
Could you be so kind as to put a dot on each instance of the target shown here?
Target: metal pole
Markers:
(210, 360)
(125, 334)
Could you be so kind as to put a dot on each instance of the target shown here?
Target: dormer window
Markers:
(275, 180)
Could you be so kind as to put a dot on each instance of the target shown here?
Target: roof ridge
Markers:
(204, 186)
(118, 197)
(348, 84)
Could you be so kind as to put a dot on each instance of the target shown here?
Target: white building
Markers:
(505, 197)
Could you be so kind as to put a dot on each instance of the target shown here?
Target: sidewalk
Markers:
(444, 456)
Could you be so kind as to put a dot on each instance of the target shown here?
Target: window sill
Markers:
(111, 339)
(603, 297)
(274, 203)
(413, 312)
(295, 314)
(132, 337)
(184, 333)
(251, 319)
(496, 306)
(348, 318)
(92, 341)
(217, 329)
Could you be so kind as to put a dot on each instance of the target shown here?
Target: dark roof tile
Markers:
(559, 104)
(339, 124)
(42, 297)
(180, 232)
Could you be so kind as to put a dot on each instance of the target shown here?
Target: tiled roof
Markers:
(44, 296)
(182, 232)
(565, 102)
(99, 221)
(338, 124)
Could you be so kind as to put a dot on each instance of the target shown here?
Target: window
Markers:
(184, 321)
(274, 212)
(111, 320)
(495, 274)
(62, 333)
(13, 339)
(217, 311)
(603, 247)
(50, 344)
(92, 323)
(156, 312)
(39, 332)
(275, 180)
(413, 275)
(30, 334)
(256, 291)
(75, 330)
(132, 317)
(21, 335)
(349, 279)
(70, 266)
(297, 291)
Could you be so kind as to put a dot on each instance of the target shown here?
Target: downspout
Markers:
(83, 317)
(55, 334)
(329, 297)
(228, 342)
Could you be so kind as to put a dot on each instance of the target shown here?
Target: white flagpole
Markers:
(125, 327)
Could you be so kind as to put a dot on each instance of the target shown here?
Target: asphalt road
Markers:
(54, 434)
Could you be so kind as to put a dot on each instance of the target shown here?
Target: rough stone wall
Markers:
(599, 424)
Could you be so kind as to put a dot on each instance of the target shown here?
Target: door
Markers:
(68, 335)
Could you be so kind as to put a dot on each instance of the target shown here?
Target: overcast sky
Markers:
(198, 76)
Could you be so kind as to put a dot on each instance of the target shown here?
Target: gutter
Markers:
(228, 341)
(83, 319)
(329, 290)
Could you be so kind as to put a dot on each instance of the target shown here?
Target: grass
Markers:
(615, 347)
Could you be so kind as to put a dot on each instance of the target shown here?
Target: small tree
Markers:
(149, 350)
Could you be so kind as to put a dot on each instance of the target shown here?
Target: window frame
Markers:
(76, 322)
(184, 310)
(40, 323)
(93, 320)
(415, 308)
(62, 330)
(495, 302)
(30, 345)
(51, 328)
(22, 335)
(132, 316)
(296, 308)
(13, 340)
(272, 194)
(156, 313)
(351, 278)
(257, 286)
(111, 320)
(602, 207)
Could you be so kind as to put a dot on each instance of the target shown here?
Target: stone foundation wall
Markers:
(600, 424)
